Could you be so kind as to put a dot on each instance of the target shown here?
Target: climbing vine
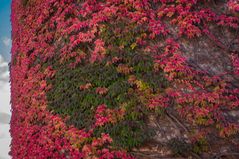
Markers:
(86, 74)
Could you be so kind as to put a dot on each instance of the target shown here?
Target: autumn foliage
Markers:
(85, 74)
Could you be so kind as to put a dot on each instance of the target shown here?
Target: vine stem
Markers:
(218, 156)
(177, 121)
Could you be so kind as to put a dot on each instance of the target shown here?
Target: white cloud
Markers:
(4, 118)
(5, 141)
(2, 61)
(6, 41)
(5, 112)
(4, 73)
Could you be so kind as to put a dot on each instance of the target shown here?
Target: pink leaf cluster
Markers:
(69, 30)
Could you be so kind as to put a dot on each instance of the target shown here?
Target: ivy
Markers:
(85, 75)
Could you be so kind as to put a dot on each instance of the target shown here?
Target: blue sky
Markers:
(5, 47)
(5, 28)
